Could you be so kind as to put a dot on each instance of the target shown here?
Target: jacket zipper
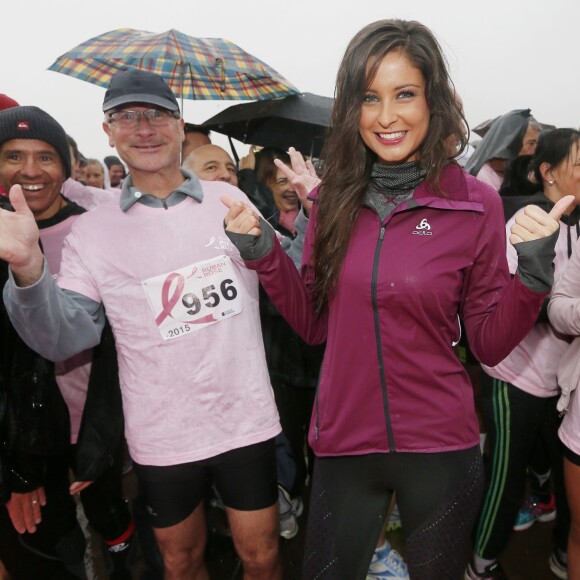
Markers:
(316, 405)
(317, 416)
(378, 337)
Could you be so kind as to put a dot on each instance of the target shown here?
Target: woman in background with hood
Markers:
(511, 135)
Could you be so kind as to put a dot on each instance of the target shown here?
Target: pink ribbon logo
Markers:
(168, 302)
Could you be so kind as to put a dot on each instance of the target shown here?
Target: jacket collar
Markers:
(191, 187)
(460, 190)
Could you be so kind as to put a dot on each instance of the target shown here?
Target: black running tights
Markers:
(438, 495)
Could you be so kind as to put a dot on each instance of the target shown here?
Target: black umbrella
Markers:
(298, 121)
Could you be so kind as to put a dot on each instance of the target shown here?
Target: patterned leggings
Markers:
(438, 495)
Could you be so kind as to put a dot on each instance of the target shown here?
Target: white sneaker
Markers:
(387, 564)
(558, 566)
(297, 506)
(288, 526)
(287, 517)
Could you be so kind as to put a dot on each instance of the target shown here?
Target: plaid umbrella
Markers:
(194, 68)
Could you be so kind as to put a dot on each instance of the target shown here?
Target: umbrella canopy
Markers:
(194, 68)
(298, 121)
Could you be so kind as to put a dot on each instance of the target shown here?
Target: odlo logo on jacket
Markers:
(423, 229)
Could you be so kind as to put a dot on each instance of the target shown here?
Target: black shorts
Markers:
(245, 479)
(570, 455)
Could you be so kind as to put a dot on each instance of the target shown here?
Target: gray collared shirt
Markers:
(191, 187)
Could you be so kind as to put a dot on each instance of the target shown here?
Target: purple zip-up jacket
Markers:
(390, 380)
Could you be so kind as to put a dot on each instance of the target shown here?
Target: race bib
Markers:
(194, 297)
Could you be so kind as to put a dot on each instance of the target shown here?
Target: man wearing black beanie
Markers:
(40, 136)
(34, 123)
(43, 402)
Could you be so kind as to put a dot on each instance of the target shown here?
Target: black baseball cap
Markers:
(138, 86)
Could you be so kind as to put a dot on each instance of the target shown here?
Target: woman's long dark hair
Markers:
(348, 161)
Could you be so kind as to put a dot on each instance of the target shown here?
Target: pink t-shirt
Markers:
(205, 389)
(564, 313)
(72, 375)
(569, 431)
(489, 176)
(85, 195)
(533, 364)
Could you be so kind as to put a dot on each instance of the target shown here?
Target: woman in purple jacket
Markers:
(401, 243)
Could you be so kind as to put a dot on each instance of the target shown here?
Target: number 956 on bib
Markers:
(191, 298)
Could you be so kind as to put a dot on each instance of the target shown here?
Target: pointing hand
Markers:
(240, 219)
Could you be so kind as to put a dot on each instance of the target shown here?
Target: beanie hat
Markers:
(139, 86)
(6, 102)
(34, 123)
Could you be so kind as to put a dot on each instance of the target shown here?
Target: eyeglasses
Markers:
(155, 117)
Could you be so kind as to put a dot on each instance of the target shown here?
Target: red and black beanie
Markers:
(34, 123)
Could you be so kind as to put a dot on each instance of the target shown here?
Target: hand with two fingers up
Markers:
(302, 176)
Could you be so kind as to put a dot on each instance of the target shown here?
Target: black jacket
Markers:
(34, 418)
(290, 360)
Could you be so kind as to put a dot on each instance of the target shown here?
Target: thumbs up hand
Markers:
(19, 240)
(534, 223)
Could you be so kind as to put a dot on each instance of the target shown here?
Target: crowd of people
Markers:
(261, 335)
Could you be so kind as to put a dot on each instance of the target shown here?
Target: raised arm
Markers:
(55, 323)
(290, 293)
(302, 176)
(498, 313)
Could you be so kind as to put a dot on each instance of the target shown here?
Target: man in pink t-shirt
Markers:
(184, 311)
